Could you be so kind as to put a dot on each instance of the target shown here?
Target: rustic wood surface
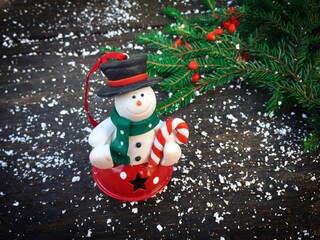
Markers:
(244, 175)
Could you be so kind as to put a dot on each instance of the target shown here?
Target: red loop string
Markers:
(103, 59)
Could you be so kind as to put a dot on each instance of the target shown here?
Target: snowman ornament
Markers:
(132, 150)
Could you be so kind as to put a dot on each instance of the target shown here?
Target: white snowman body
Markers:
(135, 106)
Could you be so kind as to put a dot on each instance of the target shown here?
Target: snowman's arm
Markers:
(102, 133)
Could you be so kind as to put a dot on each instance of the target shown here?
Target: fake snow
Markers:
(89, 233)
(116, 12)
(232, 118)
(75, 179)
(203, 133)
(47, 147)
(217, 217)
(159, 227)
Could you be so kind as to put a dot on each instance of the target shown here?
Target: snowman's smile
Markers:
(139, 110)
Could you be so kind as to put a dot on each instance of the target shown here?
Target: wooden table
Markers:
(244, 175)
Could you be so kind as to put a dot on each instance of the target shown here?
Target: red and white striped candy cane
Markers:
(172, 124)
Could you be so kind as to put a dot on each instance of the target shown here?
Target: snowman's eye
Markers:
(142, 94)
(134, 96)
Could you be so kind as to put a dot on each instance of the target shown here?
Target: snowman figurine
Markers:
(133, 150)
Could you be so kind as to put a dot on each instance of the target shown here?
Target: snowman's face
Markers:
(136, 105)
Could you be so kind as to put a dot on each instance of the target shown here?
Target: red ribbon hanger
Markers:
(103, 59)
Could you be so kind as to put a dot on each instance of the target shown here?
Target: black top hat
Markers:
(125, 76)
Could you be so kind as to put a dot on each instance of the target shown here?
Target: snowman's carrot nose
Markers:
(139, 103)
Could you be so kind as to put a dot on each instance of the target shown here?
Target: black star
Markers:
(138, 183)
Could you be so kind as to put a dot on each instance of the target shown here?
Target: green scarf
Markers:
(125, 128)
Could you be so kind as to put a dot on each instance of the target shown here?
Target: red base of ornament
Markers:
(132, 183)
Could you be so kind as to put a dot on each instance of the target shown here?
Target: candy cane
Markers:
(182, 134)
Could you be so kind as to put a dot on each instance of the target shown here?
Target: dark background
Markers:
(243, 175)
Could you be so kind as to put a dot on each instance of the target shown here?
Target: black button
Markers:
(138, 158)
(138, 144)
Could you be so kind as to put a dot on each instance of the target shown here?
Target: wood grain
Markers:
(244, 175)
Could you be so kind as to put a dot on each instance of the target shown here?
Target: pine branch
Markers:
(195, 50)
(222, 48)
(310, 71)
(164, 65)
(176, 14)
(177, 101)
(275, 102)
(158, 40)
(216, 79)
(184, 31)
(177, 80)
(211, 4)
(310, 23)
(312, 142)
(276, 47)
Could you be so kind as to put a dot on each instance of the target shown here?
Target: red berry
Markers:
(187, 46)
(218, 31)
(177, 42)
(211, 36)
(195, 77)
(193, 65)
(231, 9)
(225, 24)
(232, 28)
(235, 21)
(246, 56)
